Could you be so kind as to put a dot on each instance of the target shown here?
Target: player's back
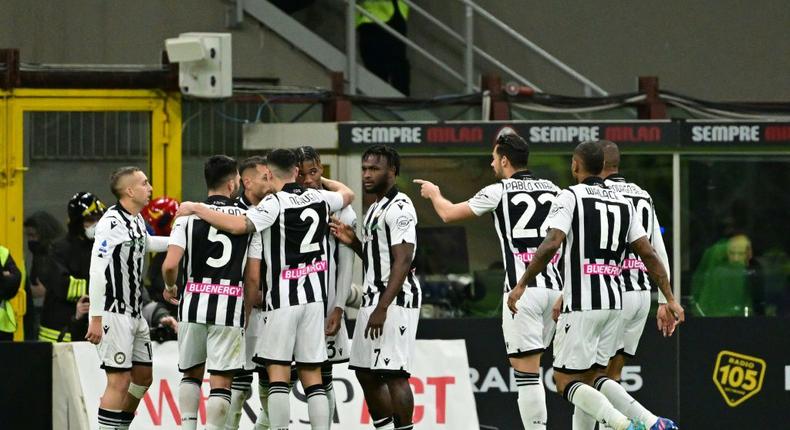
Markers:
(213, 265)
(595, 244)
(295, 246)
(634, 271)
(519, 221)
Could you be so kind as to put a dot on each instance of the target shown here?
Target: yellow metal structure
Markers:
(164, 154)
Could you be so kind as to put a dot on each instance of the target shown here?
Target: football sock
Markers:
(217, 408)
(279, 406)
(531, 400)
(623, 401)
(326, 379)
(595, 404)
(240, 391)
(385, 423)
(582, 420)
(188, 401)
(262, 422)
(317, 407)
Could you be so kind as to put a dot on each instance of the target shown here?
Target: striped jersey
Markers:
(117, 257)
(341, 264)
(389, 221)
(634, 271)
(245, 204)
(598, 223)
(520, 205)
(213, 266)
(294, 223)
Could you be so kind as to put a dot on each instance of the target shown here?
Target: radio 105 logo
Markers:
(738, 377)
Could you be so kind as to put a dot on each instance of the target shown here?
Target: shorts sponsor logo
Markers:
(221, 290)
(301, 272)
(602, 269)
(526, 257)
(119, 358)
(738, 377)
(634, 263)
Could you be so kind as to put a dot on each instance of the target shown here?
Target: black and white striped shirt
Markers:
(520, 205)
(388, 222)
(213, 264)
(117, 258)
(295, 227)
(634, 271)
(598, 223)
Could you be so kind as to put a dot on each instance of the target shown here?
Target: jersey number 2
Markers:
(308, 246)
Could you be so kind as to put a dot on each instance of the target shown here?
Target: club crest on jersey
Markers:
(403, 222)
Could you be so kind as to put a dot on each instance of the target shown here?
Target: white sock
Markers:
(384, 424)
(623, 401)
(240, 391)
(326, 379)
(582, 420)
(217, 408)
(531, 400)
(279, 406)
(262, 422)
(110, 419)
(317, 407)
(595, 404)
(188, 402)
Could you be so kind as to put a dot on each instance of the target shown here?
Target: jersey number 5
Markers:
(227, 248)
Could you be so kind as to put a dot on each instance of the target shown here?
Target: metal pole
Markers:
(469, 53)
(351, 46)
(676, 226)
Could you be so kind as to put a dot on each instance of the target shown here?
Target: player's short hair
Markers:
(219, 169)
(281, 161)
(252, 162)
(591, 155)
(611, 154)
(307, 153)
(392, 156)
(118, 175)
(514, 148)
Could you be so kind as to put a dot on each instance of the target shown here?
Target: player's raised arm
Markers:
(339, 187)
(447, 210)
(234, 224)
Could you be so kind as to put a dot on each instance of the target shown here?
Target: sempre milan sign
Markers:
(443, 397)
(481, 135)
(699, 133)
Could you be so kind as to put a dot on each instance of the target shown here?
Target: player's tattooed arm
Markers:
(658, 273)
(233, 224)
(447, 210)
(547, 249)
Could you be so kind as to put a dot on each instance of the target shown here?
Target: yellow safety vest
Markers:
(381, 9)
(7, 314)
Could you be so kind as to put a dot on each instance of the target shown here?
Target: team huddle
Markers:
(261, 276)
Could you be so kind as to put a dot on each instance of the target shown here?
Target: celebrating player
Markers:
(211, 313)
(596, 225)
(386, 328)
(116, 277)
(294, 222)
(255, 178)
(341, 267)
(520, 203)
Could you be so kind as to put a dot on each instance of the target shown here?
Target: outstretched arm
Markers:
(447, 210)
(233, 224)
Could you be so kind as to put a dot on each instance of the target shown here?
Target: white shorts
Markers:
(293, 333)
(392, 351)
(586, 339)
(338, 349)
(251, 334)
(220, 348)
(531, 329)
(126, 341)
(636, 307)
